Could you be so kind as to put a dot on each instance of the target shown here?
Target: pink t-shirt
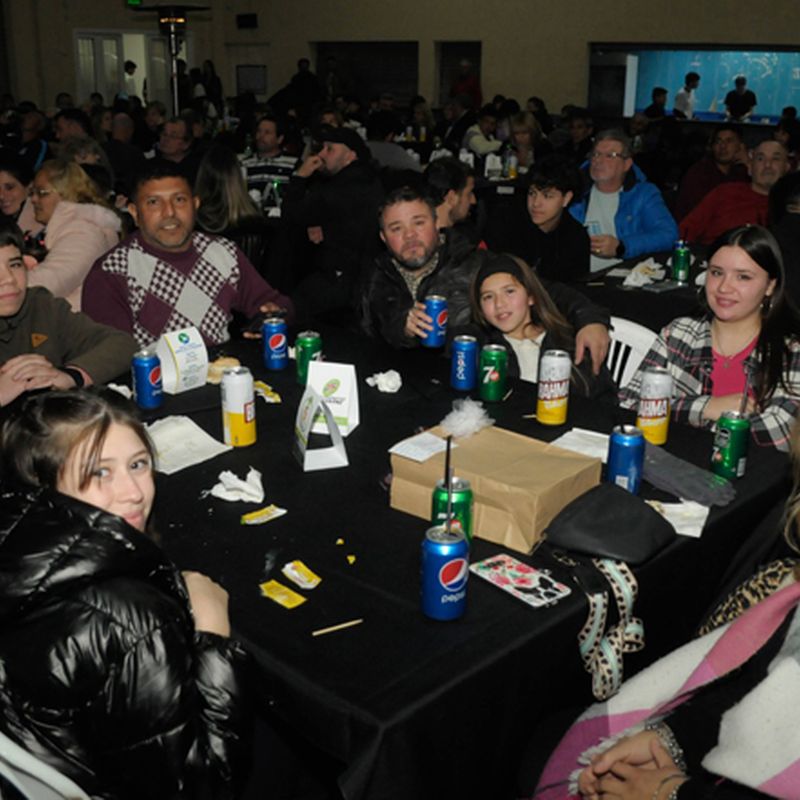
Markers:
(727, 373)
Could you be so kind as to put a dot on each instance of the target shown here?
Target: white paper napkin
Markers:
(181, 443)
(232, 488)
(386, 381)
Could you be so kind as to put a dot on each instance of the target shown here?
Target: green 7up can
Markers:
(492, 372)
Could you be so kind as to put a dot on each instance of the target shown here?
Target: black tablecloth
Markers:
(415, 708)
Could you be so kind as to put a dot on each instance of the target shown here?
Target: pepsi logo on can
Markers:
(453, 578)
(146, 374)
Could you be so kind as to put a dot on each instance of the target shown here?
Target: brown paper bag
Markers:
(519, 484)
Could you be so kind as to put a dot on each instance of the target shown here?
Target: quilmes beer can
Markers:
(492, 372)
(307, 348)
(238, 407)
(436, 309)
(445, 571)
(273, 339)
(681, 256)
(146, 374)
(460, 509)
(655, 399)
(625, 457)
(555, 367)
(464, 363)
(729, 456)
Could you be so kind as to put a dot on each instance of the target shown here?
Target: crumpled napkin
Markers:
(643, 273)
(687, 517)
(232, 488)
(386, 381)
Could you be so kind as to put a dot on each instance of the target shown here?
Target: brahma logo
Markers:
(453, 575)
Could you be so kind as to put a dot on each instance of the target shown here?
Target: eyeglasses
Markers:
(40, 192)
(595, 156)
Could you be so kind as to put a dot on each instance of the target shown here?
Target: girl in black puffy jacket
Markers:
(114, 668)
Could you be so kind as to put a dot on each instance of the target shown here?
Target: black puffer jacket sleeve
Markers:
(102, 674)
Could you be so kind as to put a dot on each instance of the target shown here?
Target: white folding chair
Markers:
(629, 345)
(33, 778)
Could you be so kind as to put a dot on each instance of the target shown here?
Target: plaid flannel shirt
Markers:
(684, 348)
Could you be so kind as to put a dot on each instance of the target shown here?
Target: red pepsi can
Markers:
(445, 570)
(276, 348)
(464, 363)
(436, 309)
(146, 373)
(625, 461)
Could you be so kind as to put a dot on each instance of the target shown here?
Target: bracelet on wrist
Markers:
(670, 743)
(75, 374)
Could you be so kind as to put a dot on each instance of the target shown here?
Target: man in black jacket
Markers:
(419, 261)
(333, 197)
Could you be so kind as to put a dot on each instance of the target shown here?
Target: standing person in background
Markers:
(467, 83)
(685, 98)
(213, 87)
(740, 102)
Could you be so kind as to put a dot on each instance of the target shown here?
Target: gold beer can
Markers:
(555, 367)
(655, 401)
(238, 407)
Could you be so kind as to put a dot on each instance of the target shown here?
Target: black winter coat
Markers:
(102, 674)
(386, 300)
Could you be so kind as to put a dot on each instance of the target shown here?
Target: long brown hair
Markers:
(544, 311)
(39, 438)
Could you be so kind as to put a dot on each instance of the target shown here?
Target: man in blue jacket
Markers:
(624, 214)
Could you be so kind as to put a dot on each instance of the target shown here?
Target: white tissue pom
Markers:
(467, 417)
(125, 391)
(386, 381)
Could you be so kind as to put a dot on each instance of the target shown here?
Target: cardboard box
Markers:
(519, 483)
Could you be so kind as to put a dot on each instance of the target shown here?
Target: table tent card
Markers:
(184, 360)
(336, 385)
(311, 406)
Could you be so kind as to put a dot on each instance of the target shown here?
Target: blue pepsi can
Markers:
(445, 570)
(436, 309)
(625, 457)
(464, 363)
(146, 372)
(276, 348)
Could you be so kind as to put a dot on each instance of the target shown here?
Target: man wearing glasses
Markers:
(623, 213)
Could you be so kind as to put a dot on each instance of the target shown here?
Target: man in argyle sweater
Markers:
(167, 276)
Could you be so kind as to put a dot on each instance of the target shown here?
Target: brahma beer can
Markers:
(146, 373)
(555, 367)
(625, 462)
(445, 571)
(464, 363)
(273, 338)
(655, 400)
(238, 407)
(436, 309)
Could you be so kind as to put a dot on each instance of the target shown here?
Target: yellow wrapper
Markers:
(282, 595)
(262, 515)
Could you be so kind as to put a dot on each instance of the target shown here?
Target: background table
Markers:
(411, 707)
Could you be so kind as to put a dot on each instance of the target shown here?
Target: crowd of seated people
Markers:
(119, 223)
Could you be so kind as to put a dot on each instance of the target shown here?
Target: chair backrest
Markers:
(33, 778)
(629, 345)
